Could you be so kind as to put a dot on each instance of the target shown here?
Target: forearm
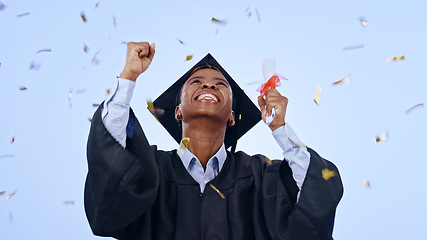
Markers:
(115, 114)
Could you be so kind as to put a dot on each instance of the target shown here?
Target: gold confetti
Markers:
(185, 141)
(327, 174)
(12, 140)
(90, 119)
(95, 104)
(218, 21)
(44, 50)
(22, 88)
(11, 195)
(2, 193)
(68, 202)
(346, 79)
(216, 189)
(189, 57)
(85, 48)
(23, 14)
(395, 59)
(82, 14)
(363, 21)
(267, 160)
(382, 137)
(366, 184)
(317, 95)
(420, 105)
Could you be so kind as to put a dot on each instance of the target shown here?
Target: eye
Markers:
(195, 81)
(222, 83)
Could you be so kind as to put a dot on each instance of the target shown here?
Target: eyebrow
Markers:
(195, 77)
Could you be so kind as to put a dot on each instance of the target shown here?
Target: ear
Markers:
(178, 113)
(231, 120)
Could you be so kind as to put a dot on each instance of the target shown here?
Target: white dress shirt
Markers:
(115, 116)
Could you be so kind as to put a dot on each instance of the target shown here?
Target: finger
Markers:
(152, 51)
(261, 103)
(142, 48)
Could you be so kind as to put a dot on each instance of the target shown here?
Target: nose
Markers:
(208, 85)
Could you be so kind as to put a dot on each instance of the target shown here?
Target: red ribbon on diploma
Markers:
(273, 82)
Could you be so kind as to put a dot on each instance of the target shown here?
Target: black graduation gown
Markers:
(144, 193)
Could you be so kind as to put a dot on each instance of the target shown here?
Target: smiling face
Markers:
(206, 93)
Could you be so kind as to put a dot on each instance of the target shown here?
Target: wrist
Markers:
(129, 75)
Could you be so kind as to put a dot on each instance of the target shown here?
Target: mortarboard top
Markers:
(246, 113)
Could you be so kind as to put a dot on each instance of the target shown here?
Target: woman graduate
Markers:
(202, 191)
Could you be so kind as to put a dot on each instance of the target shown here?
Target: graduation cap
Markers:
(246, 113)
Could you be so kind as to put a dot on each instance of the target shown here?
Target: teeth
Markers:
(207, 96)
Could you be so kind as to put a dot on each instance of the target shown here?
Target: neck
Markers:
(206, 137)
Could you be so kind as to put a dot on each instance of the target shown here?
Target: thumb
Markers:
(152, 51)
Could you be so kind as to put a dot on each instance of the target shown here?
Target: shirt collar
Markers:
(186, 156)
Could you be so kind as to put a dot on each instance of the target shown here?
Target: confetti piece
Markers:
(95, 60)
(395, 59)
(327, 174)
(189, 57)
(420, 105)
(2, 6)
(80, 91)
(317, 95)
(22, 88)
(185, 141)
(23, 14)
(34, 66)
(82, 14)
(68, 202)
(124, 42)
(218, 21)
(382, 137)
(44, 50)
(254, 82)
(216, 189)
(346, 79)
(298, 143)
(85, 48)
(114, 21)
(69, 96)
(363, 21)
(157, 112)
(267, 160)
(248, 12)
(10, 218)
(366, 184)
(353, 47)
(97, 5)
(180, 41)
(107, 91)
(11, 195)
(95, 104)
(6, 155)
(257, 14)
(90, 119)
(12, 140)
(2, 193)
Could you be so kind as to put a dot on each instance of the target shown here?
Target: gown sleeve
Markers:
(121, 183)
(312, 217)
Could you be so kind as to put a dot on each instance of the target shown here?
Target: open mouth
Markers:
(207, 96)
